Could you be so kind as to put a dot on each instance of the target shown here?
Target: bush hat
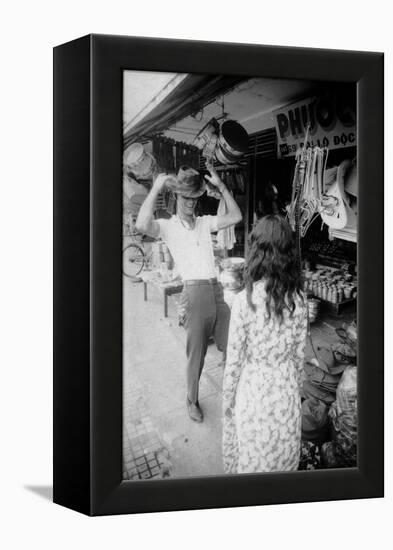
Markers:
(187, 183)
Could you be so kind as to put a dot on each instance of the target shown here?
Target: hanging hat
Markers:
(187, 183)
(335, 209)
(351, 180)
(232, 142)
(139, 162)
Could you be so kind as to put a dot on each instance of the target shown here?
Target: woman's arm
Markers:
(236, 350)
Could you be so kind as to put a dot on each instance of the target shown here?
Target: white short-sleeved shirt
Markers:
(191, 249)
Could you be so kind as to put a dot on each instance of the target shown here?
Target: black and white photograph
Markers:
(196, 234)
(240, 277)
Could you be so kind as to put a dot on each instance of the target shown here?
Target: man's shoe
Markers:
(194, 411)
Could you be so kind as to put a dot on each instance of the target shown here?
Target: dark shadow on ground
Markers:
(44, 491)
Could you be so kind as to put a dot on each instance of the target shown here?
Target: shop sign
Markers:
(332, 124)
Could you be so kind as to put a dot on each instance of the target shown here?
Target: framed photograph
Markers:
(218, 275)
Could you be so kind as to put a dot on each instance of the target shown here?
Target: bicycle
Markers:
(135, 257)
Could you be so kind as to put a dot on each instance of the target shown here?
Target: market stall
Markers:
(295, 155)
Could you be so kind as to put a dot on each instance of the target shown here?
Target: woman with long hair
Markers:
(267, 336)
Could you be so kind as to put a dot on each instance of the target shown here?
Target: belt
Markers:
(201, 281)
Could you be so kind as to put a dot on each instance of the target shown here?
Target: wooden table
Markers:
(166, 289)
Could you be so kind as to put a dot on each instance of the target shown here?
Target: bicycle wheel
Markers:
(133, 260)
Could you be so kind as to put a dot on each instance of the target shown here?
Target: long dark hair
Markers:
(272, 257)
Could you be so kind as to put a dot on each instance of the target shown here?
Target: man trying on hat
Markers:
(188, 238)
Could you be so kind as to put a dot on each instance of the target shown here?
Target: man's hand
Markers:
(214, 178)
(159, 182)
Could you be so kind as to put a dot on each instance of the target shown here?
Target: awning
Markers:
(193, 93)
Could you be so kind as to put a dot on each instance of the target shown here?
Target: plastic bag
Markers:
(342, 450)
(314, 419)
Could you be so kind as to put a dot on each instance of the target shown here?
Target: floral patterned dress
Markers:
(261, 398)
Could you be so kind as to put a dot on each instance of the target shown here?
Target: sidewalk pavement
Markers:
(159, 439)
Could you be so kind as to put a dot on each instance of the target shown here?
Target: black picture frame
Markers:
(88, 274)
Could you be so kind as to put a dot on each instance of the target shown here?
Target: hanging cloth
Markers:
(225, 237)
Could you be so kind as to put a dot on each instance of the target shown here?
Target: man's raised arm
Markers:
(234, 215)
(145, 221)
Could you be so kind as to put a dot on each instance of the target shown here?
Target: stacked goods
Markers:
(331, 285)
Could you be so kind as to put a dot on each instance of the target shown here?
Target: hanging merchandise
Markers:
(351, 184)
(313, 187)
(163, 152)
(330, 193)
(206, 140)
(335, 208)
(138, 161)
(240, 181)
(186, 155)
(232, 142)
(225, 237)
(226, 143)
(171, 154)
(307, 188)
(293, 209)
